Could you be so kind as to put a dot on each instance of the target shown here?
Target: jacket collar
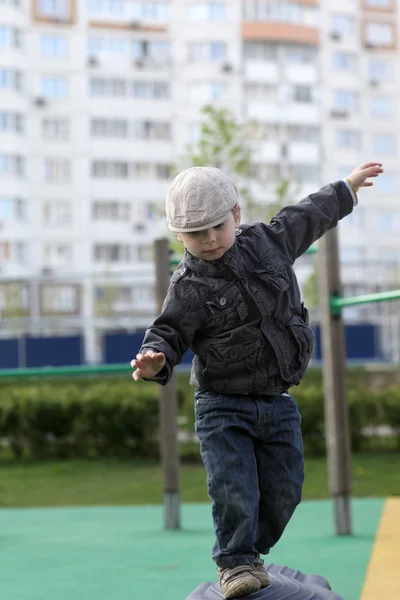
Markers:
(217, 267)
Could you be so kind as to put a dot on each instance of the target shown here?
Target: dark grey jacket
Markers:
(242, 315)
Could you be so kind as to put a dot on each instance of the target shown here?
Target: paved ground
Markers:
(123, 553)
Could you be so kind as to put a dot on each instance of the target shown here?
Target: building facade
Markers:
(100, 99)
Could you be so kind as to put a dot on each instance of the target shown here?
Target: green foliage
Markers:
(113, 418)
(229, 145)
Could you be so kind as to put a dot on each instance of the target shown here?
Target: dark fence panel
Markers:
(54, 351)
(8, 354)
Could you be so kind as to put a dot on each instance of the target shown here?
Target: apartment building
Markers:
(99, 99)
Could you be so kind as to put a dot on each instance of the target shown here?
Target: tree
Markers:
(229, 145)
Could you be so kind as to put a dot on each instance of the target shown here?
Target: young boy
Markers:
(235, 302)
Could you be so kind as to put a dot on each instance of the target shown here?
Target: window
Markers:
(53, 45)
(107, 87)
(200, 92)
(380, 70)
(53, 8)
(99, 46)
(386, 183)
(344, 100)
(264, 172)
(113, 128)
(111, 211)
(344, 61)
(261, 91)
(379, 34)
(57, 212)
(57, 170)
(151, 50)
(103, 169)
(16, 3)
(150, 130)
(386, 221)
(287, 12)
(297, 54)
(356, 220)
(56, 254)
(260, 50)
(10, 36)
(112, 7)
(12, 122)
(59, 298)
(351, 255)
(207, 11)
(382, 106)
(301, 93)
(217, 89)
(348, 138)
(150, 89)
(12, 208)
(12, 165)
(138, 89)
(145, 253)
(55, 129)
(199, 51)
(342, 24)
(305, 172)
(143, 295)
(379, 3)
(54, 86)
(150, 11)
(384, 144)
(111, 253)
(16, 252)
(10, 79)
(303, 133)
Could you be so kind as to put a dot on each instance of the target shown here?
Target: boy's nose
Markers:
(210, 237)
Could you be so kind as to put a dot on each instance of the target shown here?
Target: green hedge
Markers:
(118, 418)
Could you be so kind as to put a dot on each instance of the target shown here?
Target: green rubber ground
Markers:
(124, 554)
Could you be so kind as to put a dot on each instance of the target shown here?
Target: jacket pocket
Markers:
(227, 308)
(271, 272)
(302, 340)
(234, 365)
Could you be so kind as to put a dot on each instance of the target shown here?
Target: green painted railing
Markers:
(65, 371)
(337, 303)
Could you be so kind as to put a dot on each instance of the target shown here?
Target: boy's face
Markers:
(211, 244)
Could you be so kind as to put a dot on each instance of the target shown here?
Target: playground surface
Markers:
(124, 553)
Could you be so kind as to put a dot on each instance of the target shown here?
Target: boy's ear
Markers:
(237, 214)
(178, 236)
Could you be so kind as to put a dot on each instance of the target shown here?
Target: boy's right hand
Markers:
(147, 365)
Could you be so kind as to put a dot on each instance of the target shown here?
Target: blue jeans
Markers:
(252, 449)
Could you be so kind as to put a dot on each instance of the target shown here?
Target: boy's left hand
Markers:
(358, 178)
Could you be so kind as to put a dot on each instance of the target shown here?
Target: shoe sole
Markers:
(242, 589)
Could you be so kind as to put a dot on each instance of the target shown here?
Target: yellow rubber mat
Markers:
(383, 574)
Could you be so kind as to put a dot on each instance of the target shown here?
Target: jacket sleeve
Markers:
(173, 330)
(296, 227)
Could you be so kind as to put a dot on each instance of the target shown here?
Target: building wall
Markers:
(96, 106)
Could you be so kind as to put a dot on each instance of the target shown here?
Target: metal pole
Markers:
(168, 407)
(334, 369)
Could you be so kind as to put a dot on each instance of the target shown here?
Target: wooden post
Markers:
(334, 369)
(168, 407)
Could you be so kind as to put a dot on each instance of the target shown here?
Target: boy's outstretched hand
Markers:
(358, 178)
(147, 365)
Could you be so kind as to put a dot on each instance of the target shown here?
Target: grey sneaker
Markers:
(238, 581)
(259, 572)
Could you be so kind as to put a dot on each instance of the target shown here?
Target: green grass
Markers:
(115, 482)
